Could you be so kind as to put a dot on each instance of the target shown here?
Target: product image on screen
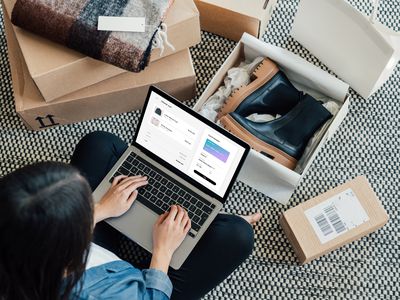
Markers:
(189, 145)
(215, 150)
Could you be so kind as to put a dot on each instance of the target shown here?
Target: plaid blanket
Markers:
(73, 23)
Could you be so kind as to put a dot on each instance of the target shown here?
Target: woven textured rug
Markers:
(366, 143)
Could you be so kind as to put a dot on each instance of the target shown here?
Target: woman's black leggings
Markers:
(224, 246)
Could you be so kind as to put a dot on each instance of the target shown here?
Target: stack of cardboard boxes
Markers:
(55, 85)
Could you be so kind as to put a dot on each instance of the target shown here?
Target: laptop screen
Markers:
(189, 144)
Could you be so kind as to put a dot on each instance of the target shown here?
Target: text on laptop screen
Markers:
(189, 144)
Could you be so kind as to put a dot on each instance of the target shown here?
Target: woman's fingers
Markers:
(129, 180)
(188, 225)
(117, 179)
(162, 218)
(180, 215)
(172, 213)
(121, 179)
(185, 218)
(134, 186)
(132, 198)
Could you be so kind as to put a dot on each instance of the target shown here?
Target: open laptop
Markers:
(189, 161)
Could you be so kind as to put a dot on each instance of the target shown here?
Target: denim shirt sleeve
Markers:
(156, 279)
(120, 280)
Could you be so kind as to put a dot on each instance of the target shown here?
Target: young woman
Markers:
(47, 219)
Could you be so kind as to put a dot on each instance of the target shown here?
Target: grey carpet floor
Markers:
(366, 143)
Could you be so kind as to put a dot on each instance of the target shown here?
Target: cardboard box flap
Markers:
(187, 10)
(231, 18)
(242, 7)
(359, 51)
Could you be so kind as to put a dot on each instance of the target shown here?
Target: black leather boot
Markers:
(270, 93)
(285, 138)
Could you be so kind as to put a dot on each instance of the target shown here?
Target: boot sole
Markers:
(268, 150)
(264, 72)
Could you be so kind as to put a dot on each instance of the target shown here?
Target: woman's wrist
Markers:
(99, 214)
(161, 260)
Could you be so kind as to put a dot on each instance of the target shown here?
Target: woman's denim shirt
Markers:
(120, 280)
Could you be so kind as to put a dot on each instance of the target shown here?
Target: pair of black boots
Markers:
(283, 139)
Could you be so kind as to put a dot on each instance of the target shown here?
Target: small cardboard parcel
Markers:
(333, 219)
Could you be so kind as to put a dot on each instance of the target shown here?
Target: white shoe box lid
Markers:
(361, 51)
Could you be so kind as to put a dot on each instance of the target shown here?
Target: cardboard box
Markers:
(331, 220)
(259, 171)
(58, 71)
(122, 93)
(231, 18)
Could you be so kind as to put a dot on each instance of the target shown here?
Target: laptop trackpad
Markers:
(137, 224)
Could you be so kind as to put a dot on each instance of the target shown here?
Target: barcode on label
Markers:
(323, 224)
(335, 219)
(336, 216)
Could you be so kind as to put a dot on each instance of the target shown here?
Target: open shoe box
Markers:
(231, 18)
(261, 172)
(58, 71)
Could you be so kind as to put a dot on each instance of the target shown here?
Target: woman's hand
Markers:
(119, 198)
(169, 232)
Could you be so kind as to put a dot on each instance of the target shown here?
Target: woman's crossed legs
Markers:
(223, 247)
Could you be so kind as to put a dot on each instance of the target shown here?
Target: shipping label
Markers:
(336, 215)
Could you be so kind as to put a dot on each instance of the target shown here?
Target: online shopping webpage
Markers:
(189, 145)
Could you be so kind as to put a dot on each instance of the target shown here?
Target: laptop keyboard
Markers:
(162, 191)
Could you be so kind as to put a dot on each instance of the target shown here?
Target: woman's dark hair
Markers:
(46, 220)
